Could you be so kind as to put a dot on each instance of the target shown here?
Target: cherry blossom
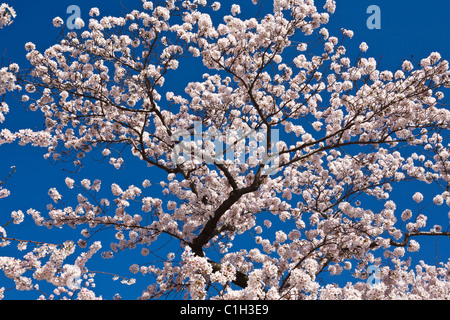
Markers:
(316, 144)
(418, 197)
(7, 14)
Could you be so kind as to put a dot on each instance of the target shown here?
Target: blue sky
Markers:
(408, 27)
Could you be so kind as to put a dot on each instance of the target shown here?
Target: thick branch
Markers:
(408, 235)
(209, 230)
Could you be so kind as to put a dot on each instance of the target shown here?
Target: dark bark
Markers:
(210, 229)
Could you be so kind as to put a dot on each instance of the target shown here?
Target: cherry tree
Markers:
(280, 161)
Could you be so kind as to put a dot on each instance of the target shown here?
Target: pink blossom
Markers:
(363, 47)
(58, 22)
(7, 14)
(418, 197)
(235, 9)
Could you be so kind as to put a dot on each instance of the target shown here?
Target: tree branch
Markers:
(408, 235)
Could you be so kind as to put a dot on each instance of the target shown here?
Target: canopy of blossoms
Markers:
(329, 136)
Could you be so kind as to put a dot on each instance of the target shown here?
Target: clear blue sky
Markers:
(408, 27)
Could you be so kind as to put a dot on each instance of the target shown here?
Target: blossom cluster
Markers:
(7, 14)
(46, 262)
